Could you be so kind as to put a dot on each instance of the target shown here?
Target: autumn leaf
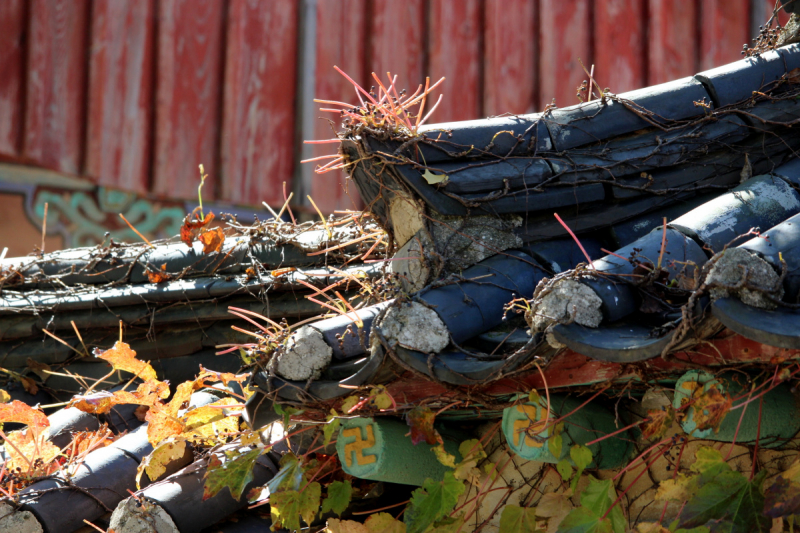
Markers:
(420, 419)
(207, 376)
(212, 240)
(158, 276)
(40, 369)
(730, 498)
(338, 497)
(235, 473)
(31, 447)
(22, 413)
(442, 455)
(680, 489)
(287, 507)
(432, 502)
(516, 519)
(659, 422)
(380, 399)
(349, 403)
(191, 228)
(434, 179)
(472, 453)
(155, 464)
(121, 357)
(710, 407)
(344, 526)
(148, 393)
(384, 523)
(204, 423)
(289, 476)
(5, 397)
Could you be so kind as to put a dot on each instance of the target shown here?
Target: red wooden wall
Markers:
(135, 94)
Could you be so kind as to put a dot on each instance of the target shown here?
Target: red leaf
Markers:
(420, 419)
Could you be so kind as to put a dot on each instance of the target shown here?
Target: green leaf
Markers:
(516, 519)
(534, 398)
(338, 498)
(287, 507)
(331, 427)
(384, 523)
(582, 457)
(432, 502)
(286, 412)
(564, 468)
(582, 520)
(598, 497)
(729, 496)
(709, 463)
(290, 475)
(555, 444)
(235, 473)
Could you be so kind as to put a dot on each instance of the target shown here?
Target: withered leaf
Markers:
(191, 228)
(159, 276)
(212, 240)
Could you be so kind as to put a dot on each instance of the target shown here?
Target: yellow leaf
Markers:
(380, 398)
(161, 424)
(121, 357)
(345, 526)
(23, 413)
(155, 464)
(33, 446)
(205, 422)
(384, 523)
(148, 393)
(5, 397)
(349, 403)
(433, 179)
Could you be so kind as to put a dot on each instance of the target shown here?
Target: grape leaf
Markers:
(710, 408)
(20, 412)
(384, 523)
(191, 228)
(148, 393)
(709, 463)
(660, 420)
(290, 475)
(782, 498)
(121, 357)
(516, 519)
(334, 525)
(432, 502)
(472, 453)
(598, 497)
(433, 179)
(447, 459)
(158, 276)
(680, 489)
(582, 520)
(235, 473)
(380, 399)
(204, 423)
(288, 506)
(212, 240)
(729, 497)
(155, 463)
(5, 397)
(582, 457)
(564, 468)
(555, 444)
(286, 412)
(338, 497)
(420, 419)
(31, 445)
(331, 427)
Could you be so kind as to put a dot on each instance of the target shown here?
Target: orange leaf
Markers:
(87, 441)
(212, 240)
(710, 408)
(162, 424)
(121, 357)
(206, 376)
(659, 424)
(148, 393)
(159, 276)
(22, 413)
(191, 228)
(36, 449)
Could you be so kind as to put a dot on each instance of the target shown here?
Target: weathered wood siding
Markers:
(134, 95)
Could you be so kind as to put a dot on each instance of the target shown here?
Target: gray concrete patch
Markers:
(305, 355)
(148, 517)
(416, 327)
(730, 269)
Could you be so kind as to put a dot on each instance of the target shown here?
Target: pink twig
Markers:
(575, 239)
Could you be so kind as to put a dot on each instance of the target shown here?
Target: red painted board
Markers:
(341, 38)
(565, 37)
(510, 57)
(673, 43)
(454, 51)
(725, 28)
(12, 31)
(188, 96)
(259, 107)
(397, 39)
(620, 33)
(121, 94)
(56, 83)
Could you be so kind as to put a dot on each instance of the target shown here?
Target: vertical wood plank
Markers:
(341, 37)
(565, 37)
(188, 95)
(397, 36)
(12, 30)
(619, 44)
(259, 111)
(121, 94)
(455, 53)
(56, 82)
(673, 40)
(725, 28)
(510, 57)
